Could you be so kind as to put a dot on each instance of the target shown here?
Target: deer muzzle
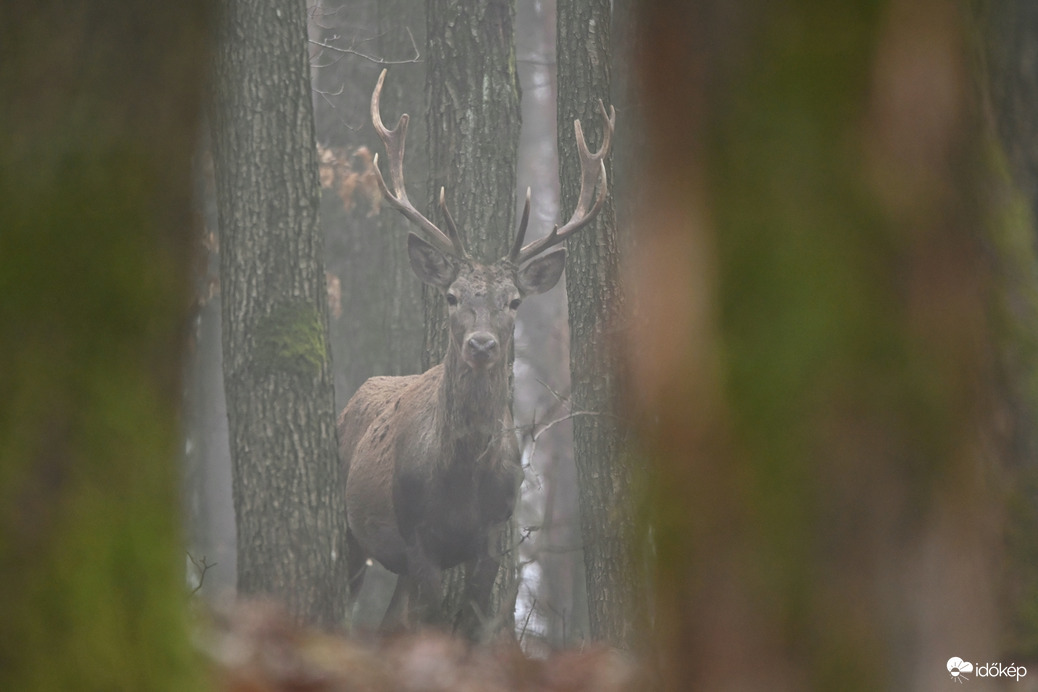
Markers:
(481, 349)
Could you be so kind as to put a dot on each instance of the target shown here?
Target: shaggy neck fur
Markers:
(473, 404)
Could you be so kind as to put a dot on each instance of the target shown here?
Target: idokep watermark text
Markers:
(961, 671)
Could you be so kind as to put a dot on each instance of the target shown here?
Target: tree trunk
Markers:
(399, 22)
(553, 611)
(596, 302)
(378, 328)
(814, 361)
(1009, 29)
(99, 118)
(287, 490)
(473, 140)
(473, 133)
(354, 250)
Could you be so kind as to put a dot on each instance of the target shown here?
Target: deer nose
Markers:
(482, 345)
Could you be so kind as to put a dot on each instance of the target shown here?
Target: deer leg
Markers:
(356, 568)
(396, 616)
(424, 578)
(425, 599)
(475, 615)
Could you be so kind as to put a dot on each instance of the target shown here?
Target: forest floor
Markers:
(255, 647)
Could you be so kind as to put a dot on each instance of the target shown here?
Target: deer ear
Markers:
(432, 266)
(541, 273)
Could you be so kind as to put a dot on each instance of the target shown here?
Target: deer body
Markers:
(432, 460)
(437, 464)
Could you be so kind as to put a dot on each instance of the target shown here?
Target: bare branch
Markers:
(561, 398)
(342, 87)
(526, 622)
(417, 57)
(551, 424)
(323, 11)
(202, 566)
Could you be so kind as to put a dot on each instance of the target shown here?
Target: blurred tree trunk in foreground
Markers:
(95, 232)
(1008, 33)
(288, 495)
(813, 364)
(615, 585)
(473, 126)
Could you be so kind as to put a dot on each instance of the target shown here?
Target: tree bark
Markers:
(378, 329)
(596, 303)
(100, 115)
(473, 133)
(473, 126)
(287, 487)
(399, 22)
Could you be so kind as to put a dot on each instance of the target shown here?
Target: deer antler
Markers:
(518, 243)
(592, 168)
(448, 243)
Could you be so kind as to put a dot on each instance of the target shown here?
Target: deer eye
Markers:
(514, 305)
(452, 299)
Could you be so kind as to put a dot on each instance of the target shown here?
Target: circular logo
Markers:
(957, 668)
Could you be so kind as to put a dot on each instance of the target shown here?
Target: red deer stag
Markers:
(432, 460)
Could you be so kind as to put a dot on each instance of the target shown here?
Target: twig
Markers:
(526, 622)
(551, 424)
(342, 87)
(324, 12)
(378, 61)
(202, 566)
(527, 532)
(561, 398)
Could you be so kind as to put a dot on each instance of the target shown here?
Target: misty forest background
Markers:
(779, 426)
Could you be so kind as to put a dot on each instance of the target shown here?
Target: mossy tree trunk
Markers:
(813, 364)
(615, 585)
(100, 111)
(473, 124)
(287, 491)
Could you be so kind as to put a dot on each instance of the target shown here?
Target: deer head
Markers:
(482, 299)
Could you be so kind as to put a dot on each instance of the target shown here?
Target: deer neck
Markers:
(473, 407)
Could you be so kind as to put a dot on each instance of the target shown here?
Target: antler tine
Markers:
(513, 254)
(452, 229)
(592, 170)
(394, 141)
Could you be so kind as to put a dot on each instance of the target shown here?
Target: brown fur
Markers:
(432, 460)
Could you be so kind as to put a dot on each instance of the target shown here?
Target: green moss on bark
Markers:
(291, 339)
